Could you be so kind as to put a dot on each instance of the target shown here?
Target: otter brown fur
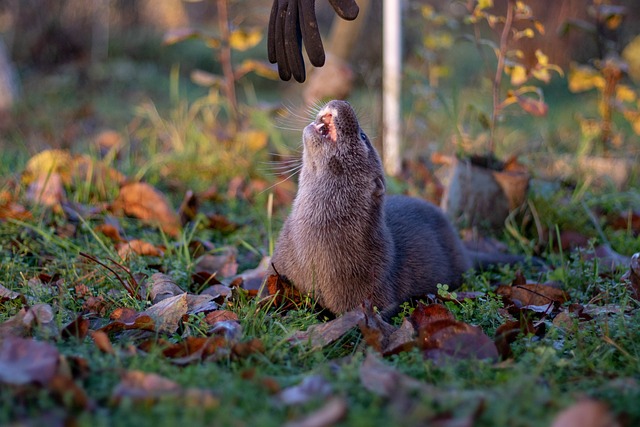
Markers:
(345, 241)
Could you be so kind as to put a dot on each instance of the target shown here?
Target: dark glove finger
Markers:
(310, 32)
(281, 56)
(346, 9)
(293, 42)
(271, 33)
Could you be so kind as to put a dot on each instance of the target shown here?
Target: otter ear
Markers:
(380, 187)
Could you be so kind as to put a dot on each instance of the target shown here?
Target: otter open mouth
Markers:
(327, 127)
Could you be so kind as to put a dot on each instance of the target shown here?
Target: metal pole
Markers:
(391, 80)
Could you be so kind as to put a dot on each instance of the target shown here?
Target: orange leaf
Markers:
(142, 201)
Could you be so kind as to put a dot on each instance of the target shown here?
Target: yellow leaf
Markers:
(518, 75)
(243, 39)
(539, 26)
(541, 74)
(254, 140)
(261, 68)
(427, 11)
(625, 94)
(542, 58)
(583, 78)
(47, 162)
(631, 54)
(526, 33)
(484, 4)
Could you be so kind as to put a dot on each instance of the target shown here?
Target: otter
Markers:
(345, 241)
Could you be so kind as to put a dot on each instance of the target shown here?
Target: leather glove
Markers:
(293, 22)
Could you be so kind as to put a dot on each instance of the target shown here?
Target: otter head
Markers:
(335, 146)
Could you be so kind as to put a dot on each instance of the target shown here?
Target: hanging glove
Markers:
(293, 22)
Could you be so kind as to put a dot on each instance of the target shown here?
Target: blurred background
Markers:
(73, 69)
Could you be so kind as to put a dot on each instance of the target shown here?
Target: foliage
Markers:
(509, 60)
(606, 73)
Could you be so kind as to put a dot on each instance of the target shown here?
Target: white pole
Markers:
(392, 61)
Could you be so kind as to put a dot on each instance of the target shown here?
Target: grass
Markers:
(174, 146)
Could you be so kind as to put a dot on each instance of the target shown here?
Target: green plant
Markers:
(606, 73)
(510, 59)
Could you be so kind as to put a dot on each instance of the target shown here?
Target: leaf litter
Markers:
(193, 328)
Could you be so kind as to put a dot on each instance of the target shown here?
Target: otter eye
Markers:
(363, 136)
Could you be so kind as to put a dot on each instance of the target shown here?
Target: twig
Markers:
(127, 286)
(497, 80)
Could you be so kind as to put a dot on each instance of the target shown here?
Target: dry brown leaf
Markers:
(312, 387)
(69, 392)
(223, 264)
(194, 349)
(286, 295)
(441, 337)
(77, 329)
(509, 331)
(149, 388)
(12, 210)
(220, 316)
(321, 335)
(246, 348)
(139, 247)
(6, 294)
(162, 286)
(188, 208)
(142, 201)
(402, 339)
(111, 231)
(47, 190)
(26, 361)
(334, 410)
(200, 304)
(102, 341)
(632, 277)
(168, 313)
(222, 224)
(586, 413)
(532, 294)
(27, 319)
(126, 318)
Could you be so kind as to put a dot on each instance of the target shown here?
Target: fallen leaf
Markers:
(126, 318)
(332, 412)
(321, 335)
(223, 264)
(162, 286)
(286, 296)
(508, 332)
(168, 313)
(142, 201)
(246, 348)
(6, 294)
(101, 340)
(188, 209)
(532, 294)
(221, 223)
(27, 319)
(205, 278)
(200, 304)
(77, 329)
(311, 387)
(632, 276)
(145, 387)
(66, 390)
(25, 361)
(110, 231)
(586, 413)
(139, 247)
(47, 190)
(194, 349)
(12, 210)
(220, 316)
(441, 337)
